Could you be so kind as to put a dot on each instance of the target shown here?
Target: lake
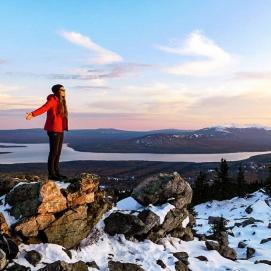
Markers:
(38, 153)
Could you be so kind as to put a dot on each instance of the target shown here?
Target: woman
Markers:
(56, 123)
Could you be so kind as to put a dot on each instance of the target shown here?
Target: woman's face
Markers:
(62, 92)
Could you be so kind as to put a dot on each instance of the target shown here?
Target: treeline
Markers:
(224, 186)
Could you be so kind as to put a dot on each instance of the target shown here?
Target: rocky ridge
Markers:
(73, 225)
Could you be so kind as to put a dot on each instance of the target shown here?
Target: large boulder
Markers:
(173, 225)
(149, 218)
(24, 199)
(30, 227)
(163, 195)
(48, 212)
(9, 247)
(70, 228)
(163, 187)
(127, 224)
(223, 250)
(82, 191)
(29, 199)
(174, 219)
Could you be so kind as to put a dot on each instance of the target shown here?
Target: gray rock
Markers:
(172, 225)
(250, 252)
(17, 267)
(222, 238)
(242, 244)
(182, 256)
(63, 266)
(23, 199)
(180, 266)
(69, 229)
(93, 264)
(3, 260)
(263, 261)
(174, 219)
(249, 221)
(216, 219)
(202, 258)
(228, 252)
(33, 257)
(149, 218)
(249, 209)
(9, 247)
(161, 263)
(119, 266)
(188, 235)
(127, 224)
(7, 183)
(159, 188)
(210, 245)
(265, 240)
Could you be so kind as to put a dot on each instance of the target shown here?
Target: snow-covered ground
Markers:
(147, 253)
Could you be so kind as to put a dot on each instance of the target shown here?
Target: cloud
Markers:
(242, 108)
(122, 69)
(196, 44)
(252, 75)
(90, 87)
(2, 61)
(9, 99)
(116, 70)
(156, 98)
(102, 55)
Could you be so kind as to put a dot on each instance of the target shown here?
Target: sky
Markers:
(137, 64)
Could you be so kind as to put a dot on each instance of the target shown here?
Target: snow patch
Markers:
(128, 203)
(161, 210)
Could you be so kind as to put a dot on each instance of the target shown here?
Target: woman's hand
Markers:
(29, 116)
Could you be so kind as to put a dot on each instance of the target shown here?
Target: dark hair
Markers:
(62, 106)
(55, 88)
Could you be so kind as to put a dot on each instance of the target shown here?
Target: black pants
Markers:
(55, 141)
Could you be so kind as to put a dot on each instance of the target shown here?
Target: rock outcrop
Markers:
(60, 213)
(164, 187)
(159, 190)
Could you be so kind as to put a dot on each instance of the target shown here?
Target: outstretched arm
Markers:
(43, 108)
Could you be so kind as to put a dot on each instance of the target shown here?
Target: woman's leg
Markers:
(58, 152)
(53, 141)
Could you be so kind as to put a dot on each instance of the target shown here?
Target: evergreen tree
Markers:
(201, 188)
(222, 183)
(268, 181)
(241, 182)
(219, 225)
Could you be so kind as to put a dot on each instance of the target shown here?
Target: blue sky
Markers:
(137, 65)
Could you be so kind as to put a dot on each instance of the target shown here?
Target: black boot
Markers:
(60, 175)
(53, 176)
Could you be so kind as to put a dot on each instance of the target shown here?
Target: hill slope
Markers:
(101, 248)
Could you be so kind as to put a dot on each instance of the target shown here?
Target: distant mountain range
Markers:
(207, 140)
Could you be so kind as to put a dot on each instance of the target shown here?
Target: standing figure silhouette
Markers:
(56, 123)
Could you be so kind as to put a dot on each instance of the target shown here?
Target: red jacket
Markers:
(54, 121)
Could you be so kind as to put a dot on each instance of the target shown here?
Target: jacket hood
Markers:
(52, 96)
